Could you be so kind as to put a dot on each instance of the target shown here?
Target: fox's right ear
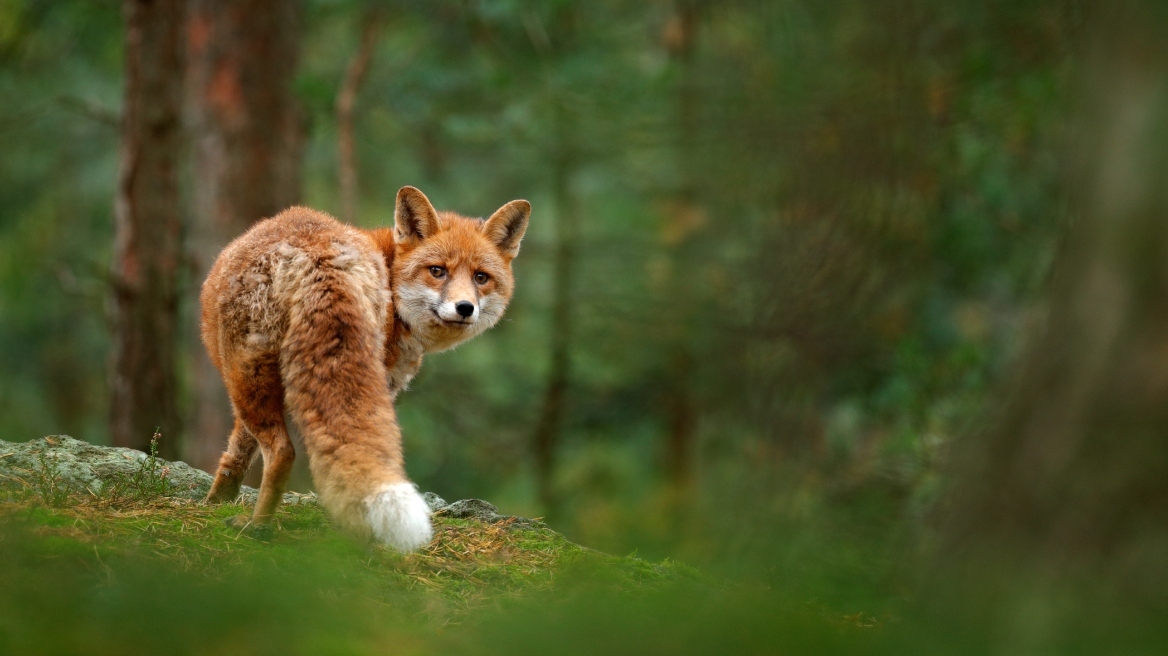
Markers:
(414, 218)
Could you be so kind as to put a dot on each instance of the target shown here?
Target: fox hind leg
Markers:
(278, 455)
(257, 395)
(233, 464)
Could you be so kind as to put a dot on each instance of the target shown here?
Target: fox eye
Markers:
(481, 278)
(437, 272)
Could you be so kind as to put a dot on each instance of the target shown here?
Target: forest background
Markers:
(796, 271)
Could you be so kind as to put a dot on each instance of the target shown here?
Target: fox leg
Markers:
(257, 395)
(278, 457)
(233, 465)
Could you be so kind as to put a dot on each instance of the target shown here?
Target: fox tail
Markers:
(336, 389)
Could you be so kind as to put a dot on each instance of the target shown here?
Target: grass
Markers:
(119, 574)
(130, 569)
(466, 564)
(45, 481)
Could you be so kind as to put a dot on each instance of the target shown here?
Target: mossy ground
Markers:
(127, 572)
(468, 564)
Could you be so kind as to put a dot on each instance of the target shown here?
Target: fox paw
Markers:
(221, 496)
(244, 524)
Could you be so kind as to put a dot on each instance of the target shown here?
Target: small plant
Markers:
(149, 480)
(46, 481)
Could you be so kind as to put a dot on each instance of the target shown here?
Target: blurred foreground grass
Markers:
(118, 575)
(91, 575)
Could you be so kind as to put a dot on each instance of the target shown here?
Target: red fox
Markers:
(307, 314)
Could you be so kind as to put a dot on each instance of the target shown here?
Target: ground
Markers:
(109, 509)
(468, 562)
(111, 551)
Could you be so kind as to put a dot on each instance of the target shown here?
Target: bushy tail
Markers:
(335, 387)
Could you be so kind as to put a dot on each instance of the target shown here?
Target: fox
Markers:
(329, 322)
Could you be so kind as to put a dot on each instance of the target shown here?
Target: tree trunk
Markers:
(547, 430)
(346, 100)
(1077, 470)
(248, 139)
(679, 37)
(147, 230)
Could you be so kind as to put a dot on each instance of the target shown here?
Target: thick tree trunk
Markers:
(1077, 470)
(547, 431)
(346, 101)
(147, 229)
(248, 139)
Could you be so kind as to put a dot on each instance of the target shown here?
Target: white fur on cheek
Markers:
(491, 308)
(415, 302)
(399, 517)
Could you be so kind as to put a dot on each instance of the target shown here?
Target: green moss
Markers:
(168, 576)
(468, 562)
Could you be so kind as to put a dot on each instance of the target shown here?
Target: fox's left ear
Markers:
(507, 225)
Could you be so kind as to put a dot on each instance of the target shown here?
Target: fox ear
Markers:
(414, 218)
(507, 225)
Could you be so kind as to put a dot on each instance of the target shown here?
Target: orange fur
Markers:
(298, 314)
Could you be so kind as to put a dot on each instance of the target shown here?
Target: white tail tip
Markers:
(399, 517)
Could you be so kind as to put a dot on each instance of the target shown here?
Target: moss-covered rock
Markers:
(79, 466)
(59, 464)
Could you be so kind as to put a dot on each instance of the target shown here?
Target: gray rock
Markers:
(81, 466)
(249, 495)
(434, 501)
(472, 509)
(482, 511)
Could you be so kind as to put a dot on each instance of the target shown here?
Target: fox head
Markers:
(452, 275)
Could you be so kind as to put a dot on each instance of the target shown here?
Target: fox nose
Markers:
(464, 308)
